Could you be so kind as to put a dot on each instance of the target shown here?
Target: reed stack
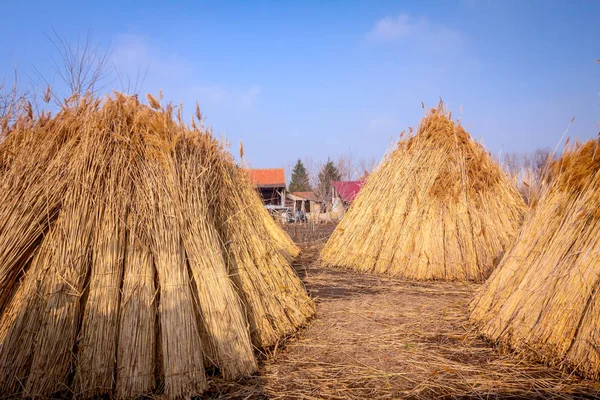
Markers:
(134, 254)
(438, 207)
(543, 299)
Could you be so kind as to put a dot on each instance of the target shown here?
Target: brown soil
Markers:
(383, 338)
(309, 233)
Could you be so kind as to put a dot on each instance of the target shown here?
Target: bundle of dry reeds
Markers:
(133, 255)
(543, 298)
(282, 240)
(276, 311)
(438, 208)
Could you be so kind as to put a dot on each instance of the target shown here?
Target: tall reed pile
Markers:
(281, 239)
(438, 208)
(543, 298)
(133, 255)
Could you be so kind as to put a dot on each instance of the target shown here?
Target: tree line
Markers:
(310, 177)
(527, 170)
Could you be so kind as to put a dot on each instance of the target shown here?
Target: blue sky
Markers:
(323, 78)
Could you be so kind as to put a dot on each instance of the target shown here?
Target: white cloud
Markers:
(416, 29)
(379, 123)
(213, 94)
(249, 97)
(225, 96)
(390, 28)
(130, 50)
(133, 53)
(176, 75)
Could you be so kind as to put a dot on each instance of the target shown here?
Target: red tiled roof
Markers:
(306, 195)
(348, 190)
(270, 177)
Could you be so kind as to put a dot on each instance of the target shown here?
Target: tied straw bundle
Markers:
(543, 299)
(438, 207)
(133, 255)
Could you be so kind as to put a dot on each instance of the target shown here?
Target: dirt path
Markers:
(376, 337)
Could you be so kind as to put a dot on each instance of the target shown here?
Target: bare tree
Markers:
(129, 85)
(367, 165)
(527, 170)
(312, 168)
(540, 159)
(8, 98)
(345, 166)
(82, 66)
(12, 102)
(351, 168)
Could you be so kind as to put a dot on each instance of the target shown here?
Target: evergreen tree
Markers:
(300, 181)
(328, 174)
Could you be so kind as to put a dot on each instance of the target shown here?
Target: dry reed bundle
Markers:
(21, 320)
(99, 332)
(136, 346)
(225, 337)
(273, 296)
(115, 273)
(182, 353)
(33, 185)
(437, 208)
(281, 239)
(63, 286)
(543, 298)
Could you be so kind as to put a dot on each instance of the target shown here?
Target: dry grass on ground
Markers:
(377, 337)
(310, 233)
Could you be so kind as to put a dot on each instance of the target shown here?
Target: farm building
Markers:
(438, 207)
(346, 191)
(303, 201)
(122, 273)
(270, 184)
(343, 194)
(543, 298)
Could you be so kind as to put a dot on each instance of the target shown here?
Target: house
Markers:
(304, 201)
(343, 193)
(346, 191)
(270, 184)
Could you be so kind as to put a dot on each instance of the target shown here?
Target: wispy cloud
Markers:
(213, 94)
(248, 98)
(379, 123)
(136, 58)
(417, 29)
(224, 95)
(133, 53)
